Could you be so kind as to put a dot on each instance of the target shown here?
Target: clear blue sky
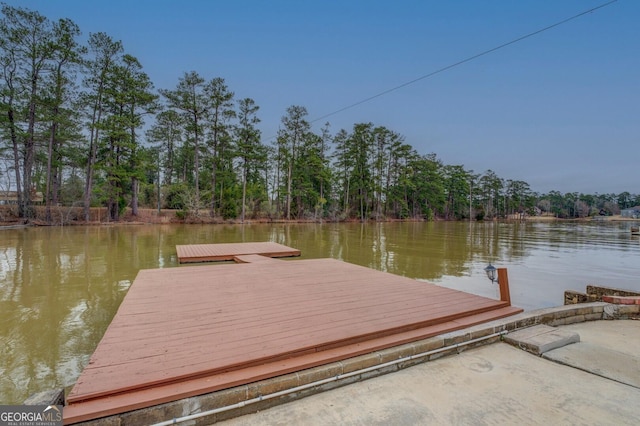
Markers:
(559, 110)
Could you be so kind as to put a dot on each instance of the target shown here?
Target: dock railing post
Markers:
(503, 282)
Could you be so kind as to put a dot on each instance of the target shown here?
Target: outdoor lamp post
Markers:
(491, 272)
(499, 276)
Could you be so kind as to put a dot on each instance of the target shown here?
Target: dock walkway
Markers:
(189, 331)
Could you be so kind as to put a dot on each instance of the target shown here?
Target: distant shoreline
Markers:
(614, 218)
(146, 219)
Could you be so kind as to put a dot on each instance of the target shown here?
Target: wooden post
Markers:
(503, 282)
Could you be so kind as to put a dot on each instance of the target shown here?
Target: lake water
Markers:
(60, 287)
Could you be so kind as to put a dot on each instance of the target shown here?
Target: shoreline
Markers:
(74, 216)
(164, 220)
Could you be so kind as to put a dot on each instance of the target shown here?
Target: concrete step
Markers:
(539, 339)
(601, 361)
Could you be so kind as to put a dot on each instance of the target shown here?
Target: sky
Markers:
(558, 110)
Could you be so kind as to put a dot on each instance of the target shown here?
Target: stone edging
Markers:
(235, 397)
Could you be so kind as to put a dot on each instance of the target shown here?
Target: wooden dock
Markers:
(228, 251)
(188, 331)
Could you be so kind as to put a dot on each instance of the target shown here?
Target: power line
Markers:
(470, 58)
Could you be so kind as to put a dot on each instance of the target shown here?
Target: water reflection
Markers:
(60, 287)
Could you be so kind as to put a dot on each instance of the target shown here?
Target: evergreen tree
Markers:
(360, 148)
(167, 133)
(105, 55)
(61, 99)
(220, 112)
(456, 184)
(343, 164)
(429, 186)
(139, 100)
(27, 47)
(250, 153)
(190, 98)
(127, 99)
(295, 129)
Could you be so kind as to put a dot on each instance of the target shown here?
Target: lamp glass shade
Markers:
(491, 272)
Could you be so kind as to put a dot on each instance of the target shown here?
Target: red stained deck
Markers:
(187, 331)
(219, 252)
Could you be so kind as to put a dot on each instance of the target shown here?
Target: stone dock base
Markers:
(250, 398)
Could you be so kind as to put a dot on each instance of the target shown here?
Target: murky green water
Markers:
(60, 287)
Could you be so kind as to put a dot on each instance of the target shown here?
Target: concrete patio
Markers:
(594, 381)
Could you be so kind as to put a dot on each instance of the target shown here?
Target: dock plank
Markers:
(178, 326)
(195, 253)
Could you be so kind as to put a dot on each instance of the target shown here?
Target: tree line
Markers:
(84, 125)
